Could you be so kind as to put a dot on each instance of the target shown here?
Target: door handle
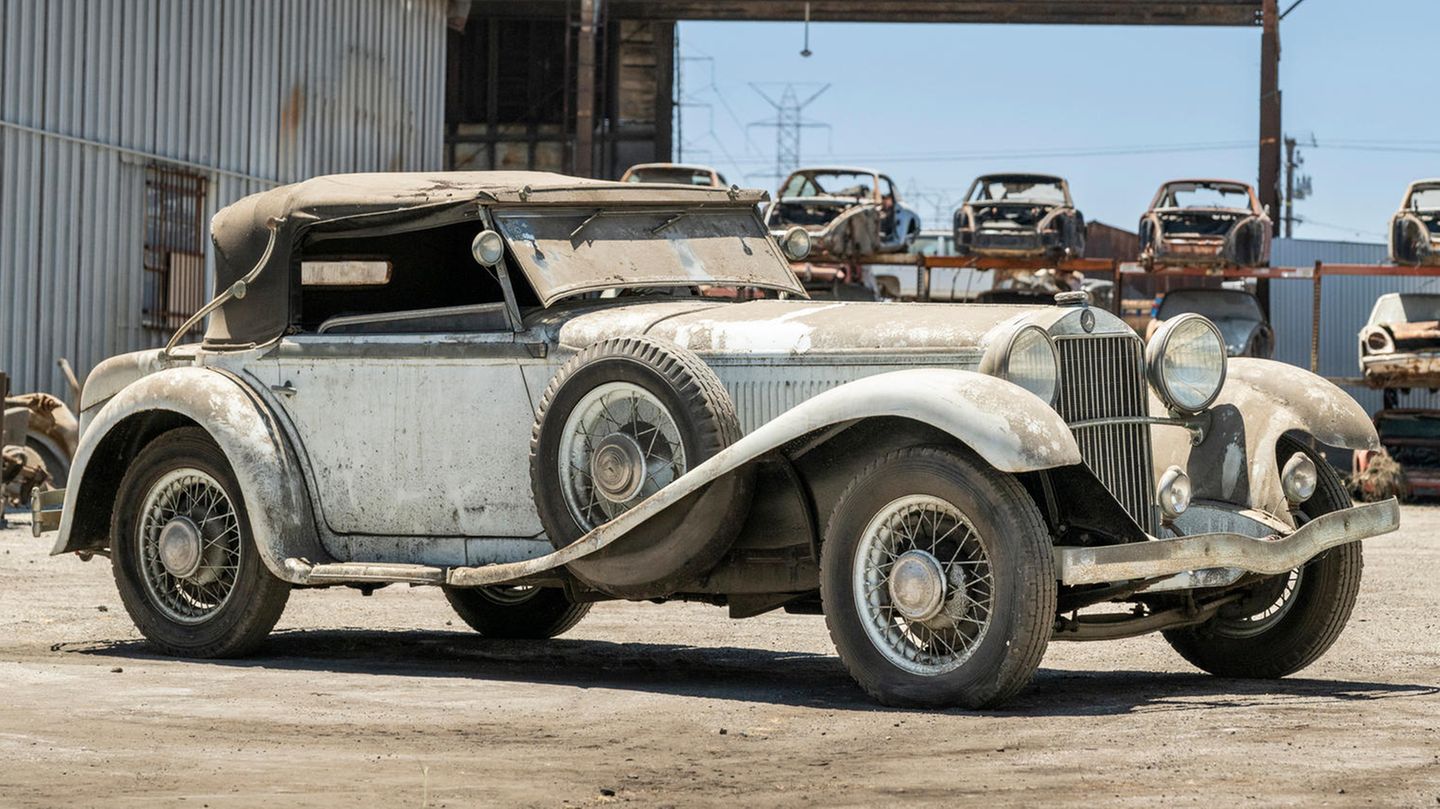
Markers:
(286, 389)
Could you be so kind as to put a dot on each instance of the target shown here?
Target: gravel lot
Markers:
(388, 701)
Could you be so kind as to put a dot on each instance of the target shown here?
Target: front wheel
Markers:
(532, 613)
(1285, 622)
(183, 555)
(937, 580)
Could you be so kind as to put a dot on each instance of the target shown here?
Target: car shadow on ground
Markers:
(800, 679)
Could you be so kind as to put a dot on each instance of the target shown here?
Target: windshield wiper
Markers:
(591, 218)
(672, 220)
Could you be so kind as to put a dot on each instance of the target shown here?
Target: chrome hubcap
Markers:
(180, 547)
(618, 467)
(189, 545)
(619, 446)
(917, 585)
(923, 585)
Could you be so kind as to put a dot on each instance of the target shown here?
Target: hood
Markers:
(793, 327)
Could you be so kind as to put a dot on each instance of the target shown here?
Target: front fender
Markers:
(1011, 428)
(1261, 401)
(270, 478)
(1006, 425)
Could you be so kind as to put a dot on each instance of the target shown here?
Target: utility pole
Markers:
(1296, 187)
(788, 122)
(1269, 185)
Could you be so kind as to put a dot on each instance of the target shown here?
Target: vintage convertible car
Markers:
(1021, 215)
(1415, 228)
(1205, 223)
(516, 387)
(847, 211)
(1400, 344)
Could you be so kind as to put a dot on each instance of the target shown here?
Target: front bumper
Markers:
(1269, 556)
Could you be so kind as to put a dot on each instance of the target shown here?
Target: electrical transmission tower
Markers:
(789, 122)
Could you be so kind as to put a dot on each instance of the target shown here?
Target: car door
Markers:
(413, 434)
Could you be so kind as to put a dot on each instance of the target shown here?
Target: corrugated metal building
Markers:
(1345, 304)
(125, 125)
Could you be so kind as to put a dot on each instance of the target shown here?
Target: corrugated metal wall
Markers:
(250, 93)
(1345, 303)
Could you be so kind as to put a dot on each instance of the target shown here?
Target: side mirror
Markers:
(488, 248)
(795, 243)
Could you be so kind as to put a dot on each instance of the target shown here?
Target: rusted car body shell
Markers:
(637, 173)
(858, 227)
(1397, 352)
(1059, 231)
(1165, 240)
(1414, 233)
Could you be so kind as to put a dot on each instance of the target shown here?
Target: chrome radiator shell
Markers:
(1103, 377)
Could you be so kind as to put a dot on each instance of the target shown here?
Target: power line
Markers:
(789, 122)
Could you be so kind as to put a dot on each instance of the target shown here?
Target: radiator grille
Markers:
(1104, 377)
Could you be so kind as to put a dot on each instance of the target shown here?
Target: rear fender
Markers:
(271, 480)
(1261, 401)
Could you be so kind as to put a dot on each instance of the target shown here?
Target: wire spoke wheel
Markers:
(923, 585)
(1274, 603)
(619, 446)
(190, 547)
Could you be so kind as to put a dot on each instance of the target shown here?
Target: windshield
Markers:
(1019, 189)
(1425, 199)
(844, 184)
(1415, 308)
(567, 251)
(1216, 304)
(1207, 196)
(672, 174)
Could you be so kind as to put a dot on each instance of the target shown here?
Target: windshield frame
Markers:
(670, 218)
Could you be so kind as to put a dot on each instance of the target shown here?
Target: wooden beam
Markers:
(1043, 12)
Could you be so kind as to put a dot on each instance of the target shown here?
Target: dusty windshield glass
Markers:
(1425, 199)
(573, 250)
(1020, 190)
(1209, 196)
(844, 184)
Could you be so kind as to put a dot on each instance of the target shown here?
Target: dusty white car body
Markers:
(399, 445)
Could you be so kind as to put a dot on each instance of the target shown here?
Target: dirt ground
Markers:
(388, 701)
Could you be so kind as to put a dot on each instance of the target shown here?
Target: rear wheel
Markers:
(937, 580)
(516, 612)
(184, 559)
(1286, 622)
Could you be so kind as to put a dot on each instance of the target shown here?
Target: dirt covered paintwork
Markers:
(792, 327)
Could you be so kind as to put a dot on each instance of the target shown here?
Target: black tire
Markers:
(511, 612)
(690, 537)
(1319, 606)
(1019, 551)
(256, 598)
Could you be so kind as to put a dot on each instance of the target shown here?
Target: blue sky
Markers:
(934, 105)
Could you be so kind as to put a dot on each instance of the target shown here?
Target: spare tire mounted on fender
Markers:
(621, 420)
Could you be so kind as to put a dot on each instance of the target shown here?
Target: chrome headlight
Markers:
(796, 243)
(1185, 363)
(1026, 359)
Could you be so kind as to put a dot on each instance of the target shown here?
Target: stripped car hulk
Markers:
(538, 392)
